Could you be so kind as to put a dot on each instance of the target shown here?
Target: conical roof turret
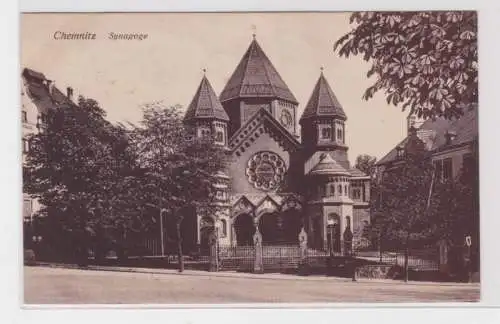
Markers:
(205, 104)
(256, 76)
(323, 102)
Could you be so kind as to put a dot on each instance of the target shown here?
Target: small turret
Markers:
(206, 114)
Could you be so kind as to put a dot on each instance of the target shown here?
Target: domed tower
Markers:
(329, 204)
(323, 124)
(206, 115)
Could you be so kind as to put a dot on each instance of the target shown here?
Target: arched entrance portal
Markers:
(333, 232)
(244, 229)
(271, 228)
(292, 224)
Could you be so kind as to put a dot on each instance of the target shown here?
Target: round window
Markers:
(265, 170)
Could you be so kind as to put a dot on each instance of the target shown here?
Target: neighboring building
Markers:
(450, 143)
(38, 95)
(452, 146)
(277, 181)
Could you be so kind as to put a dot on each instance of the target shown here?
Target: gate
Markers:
(236, 258)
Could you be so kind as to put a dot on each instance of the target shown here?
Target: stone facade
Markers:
(279, 184)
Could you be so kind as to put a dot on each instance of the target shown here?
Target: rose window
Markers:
(265, 170)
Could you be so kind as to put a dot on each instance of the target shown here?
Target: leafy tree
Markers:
(457, 213)
(73, 168)
(426, 61)
(179, 167)
(366, 163)
(402, 209)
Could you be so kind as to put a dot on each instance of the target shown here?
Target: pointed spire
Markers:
(323, 101)
(255, 76)
(205, 104)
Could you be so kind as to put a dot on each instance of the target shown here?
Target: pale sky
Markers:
(121, 75)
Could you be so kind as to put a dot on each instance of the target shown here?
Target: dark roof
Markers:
(44, 95)
(205, 104)
(433, 133)
(357, 173)
(34, 74)
(255, 76)
(323, 102)
(328, 166)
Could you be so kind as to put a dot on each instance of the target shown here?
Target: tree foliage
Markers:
(401, 209)
(424, 61)
(100, 183)
(74, 167)
(179, 167)
(366, 163)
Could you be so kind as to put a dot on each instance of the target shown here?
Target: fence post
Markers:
(213, 265)
(303, 266)
(257, 242)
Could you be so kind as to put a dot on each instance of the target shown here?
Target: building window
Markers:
(219, 137)
(356, 193)
(443, 169)
(326, 132)
(438, 169)
(339, 135)
(24, 116)
(332, 190)
(400, 152)
(204, 132)
(27, 209)
(26, 145)
(346, 191)
(340, 190)
(447, 169)
(223, 224)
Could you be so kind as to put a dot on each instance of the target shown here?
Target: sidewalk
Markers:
(245, 275)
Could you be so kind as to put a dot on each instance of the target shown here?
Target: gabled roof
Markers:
(328, 166)
(255, 76)
(205, 104)
(255, 122)
(432, 133)
(44, 95)
(323, 102)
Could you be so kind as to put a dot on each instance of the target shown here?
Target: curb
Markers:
(243, 275)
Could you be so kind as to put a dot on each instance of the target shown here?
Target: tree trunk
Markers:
(407, 252)
(179, 247)
(380, 247)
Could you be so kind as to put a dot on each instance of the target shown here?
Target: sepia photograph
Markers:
(244, 157)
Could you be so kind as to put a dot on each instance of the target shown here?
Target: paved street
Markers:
(45, 285)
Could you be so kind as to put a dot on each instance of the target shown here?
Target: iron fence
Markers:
(236, 258)
(419, 260)
(280, 257)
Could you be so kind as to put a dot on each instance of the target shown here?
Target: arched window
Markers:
(332, 189)
(348, 221)
(223, 228)
(219, 136)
